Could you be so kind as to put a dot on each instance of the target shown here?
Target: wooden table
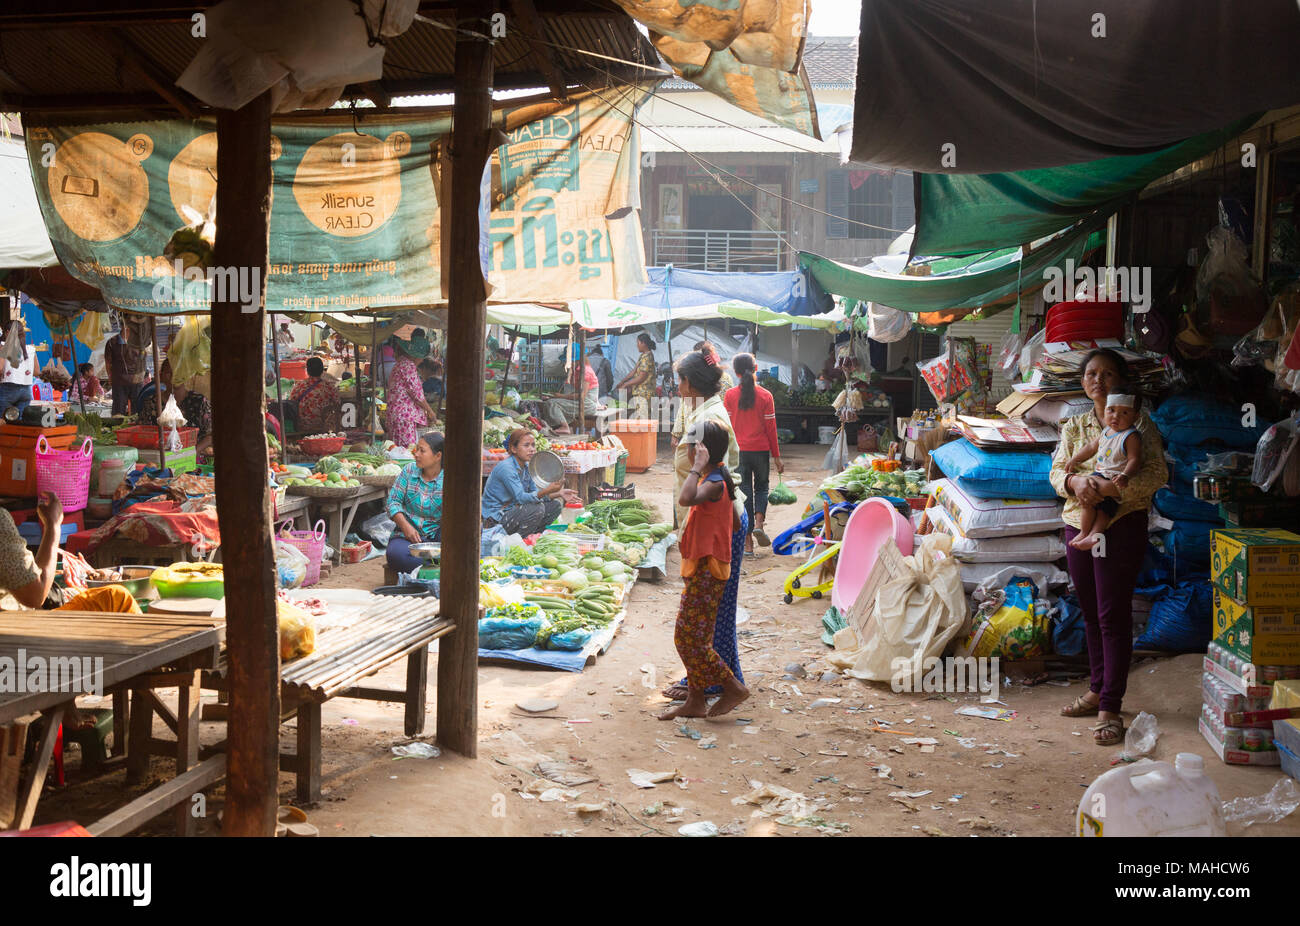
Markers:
(128, 652)
(381, 631)
(339, 512)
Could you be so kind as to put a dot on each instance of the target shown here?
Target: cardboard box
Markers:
(1236, 756)
(1265, 636)
(1257, 566)
(1286, 693)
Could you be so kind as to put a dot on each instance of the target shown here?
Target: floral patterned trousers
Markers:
(694, 634)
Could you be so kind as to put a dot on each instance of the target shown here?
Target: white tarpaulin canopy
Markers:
(23, 240)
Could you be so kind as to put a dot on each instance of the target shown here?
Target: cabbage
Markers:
(389, 469)
(574, 579)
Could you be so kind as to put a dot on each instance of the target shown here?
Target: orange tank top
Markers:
(708, 528)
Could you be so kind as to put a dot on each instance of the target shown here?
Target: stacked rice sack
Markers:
(1176, 578)
(1001, 511)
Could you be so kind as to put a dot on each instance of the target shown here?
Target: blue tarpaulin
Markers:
(793, 292)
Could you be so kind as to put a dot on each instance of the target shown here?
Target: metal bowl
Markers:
(135, 579)
(546, 467)
(430, 551)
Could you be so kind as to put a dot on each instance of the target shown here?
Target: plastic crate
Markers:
(1290, 761)
(620, 469)
(145, 436)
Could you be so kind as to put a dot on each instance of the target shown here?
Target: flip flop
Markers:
(761, 537)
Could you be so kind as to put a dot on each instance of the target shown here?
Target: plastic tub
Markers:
(826, 435)
(111, 474)
(128, 456)
(192, 588)
(571, 512)
(640, 438)
(871, 524)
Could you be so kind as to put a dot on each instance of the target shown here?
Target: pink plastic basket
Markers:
(66, 473)
(311, 544)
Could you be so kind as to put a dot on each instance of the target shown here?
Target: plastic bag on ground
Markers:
(1281, 801)
(297, 631)
(1140, 738)
(379, 528)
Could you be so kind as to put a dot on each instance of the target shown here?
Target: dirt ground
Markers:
(1022, 777)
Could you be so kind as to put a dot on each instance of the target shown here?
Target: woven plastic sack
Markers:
(1005, 474)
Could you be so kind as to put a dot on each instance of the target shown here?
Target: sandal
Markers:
(1108, 732)
(761, 536)
(1080, 708)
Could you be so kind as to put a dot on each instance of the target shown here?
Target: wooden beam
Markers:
(457, 709)
(243, 500)
(526, 20)
(174, 793)
(138, 61)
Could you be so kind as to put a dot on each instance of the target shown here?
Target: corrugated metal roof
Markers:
(57, 67)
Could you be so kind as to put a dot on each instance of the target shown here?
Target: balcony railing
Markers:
(722, 250)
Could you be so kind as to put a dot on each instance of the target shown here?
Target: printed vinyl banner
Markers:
(354, 213)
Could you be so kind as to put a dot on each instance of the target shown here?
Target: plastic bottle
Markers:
(571, 512)
(1153, 799)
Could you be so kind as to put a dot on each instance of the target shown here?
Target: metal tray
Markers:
(546, 467)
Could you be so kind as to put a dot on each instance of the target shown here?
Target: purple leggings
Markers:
(1105, 585)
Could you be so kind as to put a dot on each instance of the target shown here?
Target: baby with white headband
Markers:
(1119, 456)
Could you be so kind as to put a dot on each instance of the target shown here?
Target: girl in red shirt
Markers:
(706, 566)
(753, 417)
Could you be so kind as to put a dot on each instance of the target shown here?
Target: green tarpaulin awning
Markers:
(970, 283)
(973, 213)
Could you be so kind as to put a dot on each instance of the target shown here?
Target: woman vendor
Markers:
(26, 581)
(320, 408)
(1104, 582)
(415, 503)
(197, 410)
(408, 410)
(562, 409)
(642, 378)
(88, 383)
(511, 498)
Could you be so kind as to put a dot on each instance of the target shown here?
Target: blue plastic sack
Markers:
(1180, 619)
(571, 640)
(505, 633)
(1182, 506)
(1067, 629)
(1183, 460)
(1189, 543)
(1195, 420)
(1006, 474)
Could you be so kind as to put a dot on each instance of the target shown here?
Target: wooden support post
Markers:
(466, 318)
(417, 690)
(243, 499)
(76, 378)
(308, 759)
(30, 792)
(279, 389)
(187, 745)
(582, 382)
(121, 711)
(374, 379)
(141, 729)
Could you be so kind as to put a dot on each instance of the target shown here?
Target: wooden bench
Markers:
(386, 630)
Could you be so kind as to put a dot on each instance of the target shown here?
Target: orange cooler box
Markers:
(640, 437)
(18, 455)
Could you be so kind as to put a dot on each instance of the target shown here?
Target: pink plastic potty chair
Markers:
(871, 524)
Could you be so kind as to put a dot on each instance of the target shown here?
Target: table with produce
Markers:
(565, 593)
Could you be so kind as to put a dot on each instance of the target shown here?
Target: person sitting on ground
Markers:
(197, 410)
(1118, 450)
(88, 383)
(511, 497)
(319, 406)
(27, 581)
(415, 503)
(562, 409)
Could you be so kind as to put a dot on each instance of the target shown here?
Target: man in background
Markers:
(125, 365)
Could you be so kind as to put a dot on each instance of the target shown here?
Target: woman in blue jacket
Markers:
(511, 498)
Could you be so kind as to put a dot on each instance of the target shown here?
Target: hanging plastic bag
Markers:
(190, 351)
(1224, 282)
(1032, 353)
(171, 419)
(1275, 452)
(1013, 342)
(838, 456)
(12, 349)
(887, 325)
(94, 329)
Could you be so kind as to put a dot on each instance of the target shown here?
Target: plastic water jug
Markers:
(112, 473)
(1153, 799)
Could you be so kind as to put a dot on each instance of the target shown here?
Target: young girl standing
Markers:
(706, 566)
